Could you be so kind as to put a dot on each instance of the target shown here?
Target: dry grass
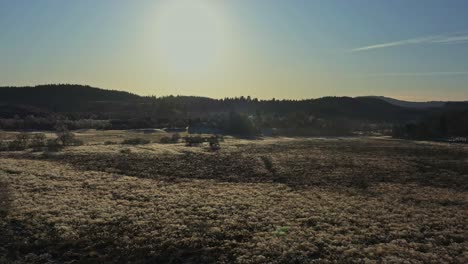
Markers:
(272, 201)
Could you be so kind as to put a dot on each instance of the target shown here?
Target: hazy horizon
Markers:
(414, 51)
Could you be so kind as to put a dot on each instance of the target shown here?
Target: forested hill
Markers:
(408, 104)
(61, 97)
(86, 99)
(43, 107)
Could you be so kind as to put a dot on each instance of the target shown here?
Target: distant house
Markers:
(458, 140)
(148, 130)
(175, 129)
(203, 128)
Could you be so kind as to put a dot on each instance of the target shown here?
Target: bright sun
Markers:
(191, 36)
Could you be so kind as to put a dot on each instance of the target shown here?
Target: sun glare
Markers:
(191, 36)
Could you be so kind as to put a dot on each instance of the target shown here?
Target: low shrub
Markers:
(23, 137)
(16, 145)
(21, 142)
(281, 231)
(77, 142)
(135, 141)
(3, 146)
(175, 137)
(38, 142)
(53, 145)
(165, 140)
(170, 140)
(194, 141)
(125, 151)
(214, 143)
(268, 163)
(67, 138)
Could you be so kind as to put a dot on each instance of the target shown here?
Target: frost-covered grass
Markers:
(271, 201)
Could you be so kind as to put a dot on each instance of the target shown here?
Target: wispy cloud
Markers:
(452, 40)
(416, 74)
(436, 39)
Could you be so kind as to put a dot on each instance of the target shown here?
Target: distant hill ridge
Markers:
(55, 92)
(79, 107)
(70, 98)
(34, 95)
(409, 104)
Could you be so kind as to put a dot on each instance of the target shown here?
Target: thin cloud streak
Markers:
(416, 74)
(437, 39)
(453, 40)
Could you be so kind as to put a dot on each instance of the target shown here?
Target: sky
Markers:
(412, 50)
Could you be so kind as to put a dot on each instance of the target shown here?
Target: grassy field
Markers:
(274, 200)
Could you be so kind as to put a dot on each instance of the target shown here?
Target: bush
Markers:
(38, 142)
(19, 143)
(77, 142)
(125, 151)
(175, 137)
(67, 138)
(3, 146)
(109, 142)
(193, 141)
(135, 141)
(281, 231)
(268, 163)
(172, 139)
(165, 140)
(214, 143)
(53, 145)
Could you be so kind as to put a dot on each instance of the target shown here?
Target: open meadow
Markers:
(245, 132)
(269, 200)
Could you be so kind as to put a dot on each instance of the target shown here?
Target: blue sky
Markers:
(415, 50)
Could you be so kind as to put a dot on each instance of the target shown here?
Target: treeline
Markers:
(84, 102)
(49, 123)
(79, 107)
(450, 123)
